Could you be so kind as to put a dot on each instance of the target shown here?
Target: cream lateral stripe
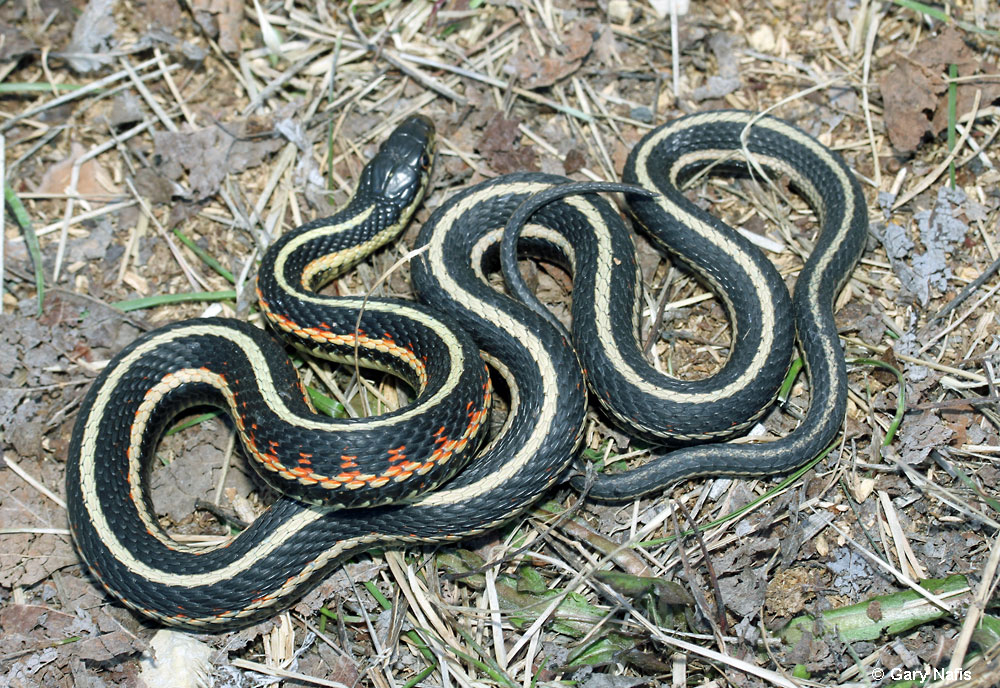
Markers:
(635, 378)
(270, 395)
(107, 535)
(457, 359)
(105, 532)
(152, 399)
(290, 528)
(88, 457)
(602, 298)
(531, 231)
(850, 199)
(778, 164)
(727, 246)
(515, 400)
(534, 347)
(311, 235)
(850, 203)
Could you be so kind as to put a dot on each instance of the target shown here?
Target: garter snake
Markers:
(763, 322)
(382, 464)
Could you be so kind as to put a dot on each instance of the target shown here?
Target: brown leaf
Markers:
(222, 19)
(20, 619)
(539, 71)
(948, 47)
(209, 154)
(108, 646)
(575, 161)
(909, 95)
(915, 96)
(13, 43)
(921, 434)
(28, 558)
(499, 147)
(93, 181)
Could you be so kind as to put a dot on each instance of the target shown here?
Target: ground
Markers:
(153, 149)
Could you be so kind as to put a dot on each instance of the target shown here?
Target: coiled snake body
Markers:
(410, 471)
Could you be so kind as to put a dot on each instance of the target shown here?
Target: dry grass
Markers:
(230, 138)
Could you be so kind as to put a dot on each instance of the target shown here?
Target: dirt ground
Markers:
(152, 149)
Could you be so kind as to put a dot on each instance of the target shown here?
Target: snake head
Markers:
(399, 172)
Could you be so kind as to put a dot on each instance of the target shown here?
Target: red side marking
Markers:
(347, 461)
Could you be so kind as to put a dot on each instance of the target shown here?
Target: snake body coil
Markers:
(384, 464)
(763, 320)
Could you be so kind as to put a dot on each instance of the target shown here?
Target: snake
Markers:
(438, 469)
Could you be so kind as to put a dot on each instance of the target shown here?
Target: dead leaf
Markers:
(209, 154)
(499, 146)
(13, 43)
(575, 161)
(94, 180)
(108, 646)
(221, 19)
(909, 96)
(20, 619)
(914, 93)
(28, 558)
(922, 434)
(539, 71)
(93, 37)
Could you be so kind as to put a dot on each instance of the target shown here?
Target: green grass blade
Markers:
(38, 87)
(325, 404)
(786, 385)
(413, 636)
(792, 477)
(942, 16)
(900, 397)
(190, 422)
(169, 299)
(30, 239)
(204, 256)
(952, 117)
